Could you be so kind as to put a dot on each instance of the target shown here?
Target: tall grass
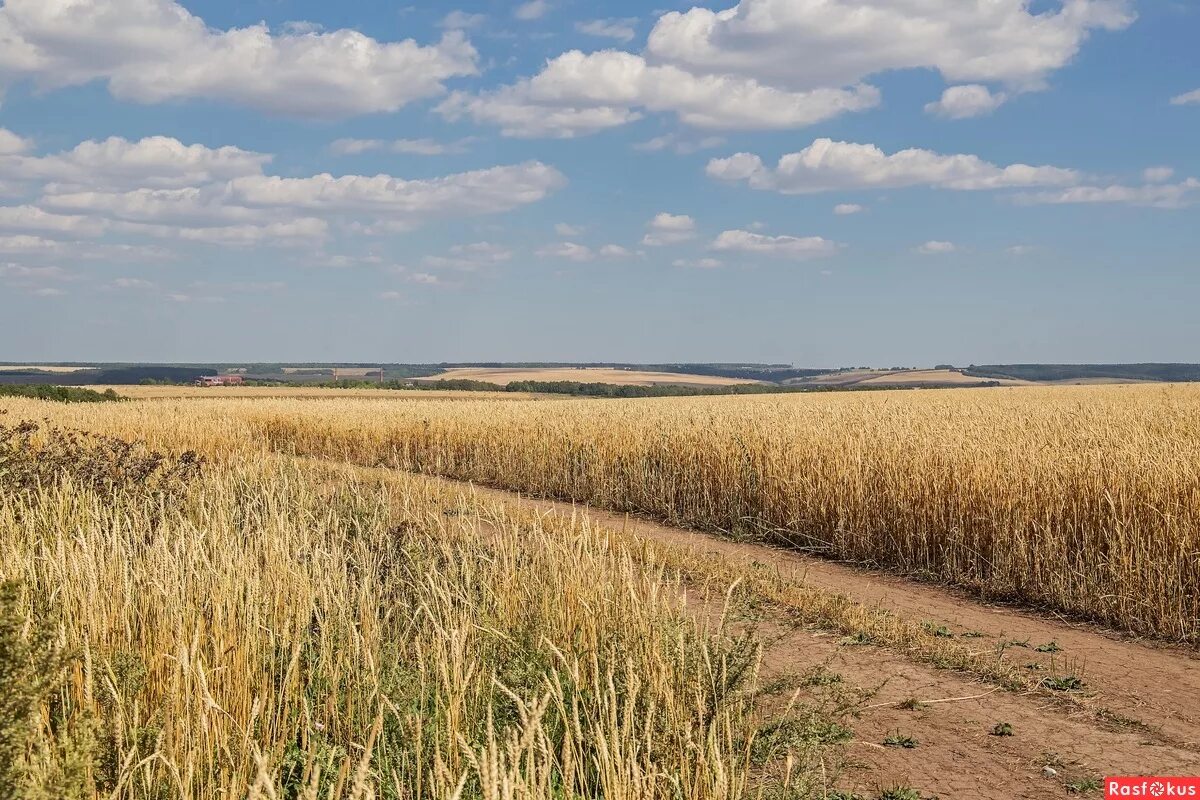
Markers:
(1081, 499)
(261, 629)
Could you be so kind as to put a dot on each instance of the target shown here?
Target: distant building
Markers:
(220, 380)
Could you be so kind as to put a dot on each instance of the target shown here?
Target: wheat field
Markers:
(1085, 500)
(265, 628)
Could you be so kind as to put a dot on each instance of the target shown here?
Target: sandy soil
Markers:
(623, 377)
(43, 368)
(1139, 715)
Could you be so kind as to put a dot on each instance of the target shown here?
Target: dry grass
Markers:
(268, 629)
(40, 367)
(623, 377)
(1081, 499)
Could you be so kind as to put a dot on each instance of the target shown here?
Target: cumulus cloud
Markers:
(151, 51)
(563, 229)
(31, 218)
(571, 251)
(682, 146)
(578, 93)
(1187, 98)
(1158, 174)
(534, 9)
(804, 44)
(155, 161)
(667, 229)
(619, 29)
(11, 144)
(614, 251)
(418, 147)
(1152, 195)
(462, 20)
(846, 209)
(469, 257)
(935, 247)
(826, 165)
(797, 248)
(698, 263)
(962, 102)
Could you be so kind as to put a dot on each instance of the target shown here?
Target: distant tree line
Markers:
(61, 394)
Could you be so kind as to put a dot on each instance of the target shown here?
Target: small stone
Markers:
(1049, 771)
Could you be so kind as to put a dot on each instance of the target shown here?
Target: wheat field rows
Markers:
(1084, 500)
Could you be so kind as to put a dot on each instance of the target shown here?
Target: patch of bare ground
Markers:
(1092, 702)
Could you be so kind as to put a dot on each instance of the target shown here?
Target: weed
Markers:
(898, 739)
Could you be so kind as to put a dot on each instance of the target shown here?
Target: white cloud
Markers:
(790, 247)
(392, 295)
(419, 147)
(23, 275)
(804, 44)
(826, 165)
(534, 9)
(155, 161)
(935, 247)
(461, 20)
(680, 145)
(132, 283)
(614, 251)
(579, 93)
(962, 102)
(48, 291)
(699, 263)
(570, 251)
(619, 29)
(1020, 250)
(1187, 98)
(469, 257)
(563, 229)
(1153, 195)
(846, 209)
(293, 233)
(32, 218)
(1158, 174)
(480, 192)
(667, 229)
(424, 278)
(151, 51)
(11, 144)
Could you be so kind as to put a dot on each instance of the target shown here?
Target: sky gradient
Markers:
(819, 182)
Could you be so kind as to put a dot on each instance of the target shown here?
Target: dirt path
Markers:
(1141, 716)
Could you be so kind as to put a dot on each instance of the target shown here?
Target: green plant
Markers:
(1002, 729)
(1084, 786)
(899, 793)
(1065, 683)
(898, 739)
(1049, 647)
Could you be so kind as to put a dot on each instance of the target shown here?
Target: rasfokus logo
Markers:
(1156, 786)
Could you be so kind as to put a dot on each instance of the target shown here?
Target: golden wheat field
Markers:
(1081, 499)
(258, 597)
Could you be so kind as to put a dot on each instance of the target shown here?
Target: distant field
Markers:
(304, 392)
(39, 367)
(623, 377)
(908, 377)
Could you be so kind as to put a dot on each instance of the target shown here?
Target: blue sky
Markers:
(834, 182)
